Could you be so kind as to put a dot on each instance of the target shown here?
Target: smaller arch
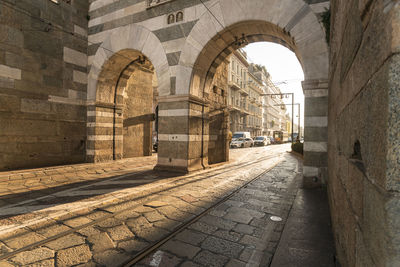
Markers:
(134, 38)
(137, 51)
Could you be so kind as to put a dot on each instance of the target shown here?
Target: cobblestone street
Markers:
(104, 214)
(240, 231)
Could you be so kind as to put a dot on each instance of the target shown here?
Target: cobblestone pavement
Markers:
(36, 181)
(111, 211)
(239, 232)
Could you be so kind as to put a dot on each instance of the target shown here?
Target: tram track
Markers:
(208, 174)
(152, 248)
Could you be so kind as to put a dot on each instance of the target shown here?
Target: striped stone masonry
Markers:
(315, 132)
(101, 136)
(181, 133)
(9, 72)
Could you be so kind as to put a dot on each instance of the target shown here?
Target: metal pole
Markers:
(292, 115)
(298, 126)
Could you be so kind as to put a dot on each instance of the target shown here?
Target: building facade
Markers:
(273, 110)
(238, 93)
(251, 107)
(255, 90)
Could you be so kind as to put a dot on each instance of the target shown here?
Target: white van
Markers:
(237, 135)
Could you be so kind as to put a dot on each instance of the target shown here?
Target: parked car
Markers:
(242, 142)
(237, 135)
(262, 141)
(250, 141)
(271, 139)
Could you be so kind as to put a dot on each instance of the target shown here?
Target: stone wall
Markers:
(42, 83)
(138, 108)
(364, 131)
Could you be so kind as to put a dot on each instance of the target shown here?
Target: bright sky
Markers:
(283, 66)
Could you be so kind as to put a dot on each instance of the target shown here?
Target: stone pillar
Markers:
(182, 133)
(315, 132)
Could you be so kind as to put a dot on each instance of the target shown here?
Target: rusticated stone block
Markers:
(9, 103)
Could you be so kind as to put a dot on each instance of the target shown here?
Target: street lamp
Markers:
(298, 126)
(285, 95)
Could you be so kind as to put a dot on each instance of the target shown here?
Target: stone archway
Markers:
(110, 79)
(291, 23)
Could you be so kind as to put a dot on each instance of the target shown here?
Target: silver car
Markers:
(242, 142)
(262, 141)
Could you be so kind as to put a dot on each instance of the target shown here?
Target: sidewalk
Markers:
(14, 184)
(307, 238)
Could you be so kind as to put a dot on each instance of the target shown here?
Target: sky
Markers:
(283, 66)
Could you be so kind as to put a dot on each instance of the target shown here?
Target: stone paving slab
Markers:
(121, 223)
(307, 239)
(238, 232)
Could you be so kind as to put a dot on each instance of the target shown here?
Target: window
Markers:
(179, 16)
(171, 19)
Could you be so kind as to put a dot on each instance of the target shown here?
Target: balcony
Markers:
(245, 111)
(234, 85)
(234, 108)
(244, 91)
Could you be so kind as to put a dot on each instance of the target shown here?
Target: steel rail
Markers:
(147, 251)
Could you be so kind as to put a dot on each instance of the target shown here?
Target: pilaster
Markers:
(315, 132)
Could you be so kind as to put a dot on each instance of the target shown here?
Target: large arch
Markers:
(291, 23)
(295, 26)
(128, 49)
